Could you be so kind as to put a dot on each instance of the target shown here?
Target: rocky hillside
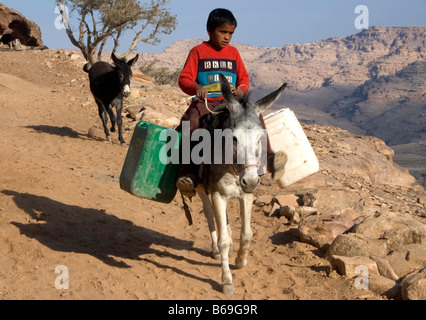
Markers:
(371, 83)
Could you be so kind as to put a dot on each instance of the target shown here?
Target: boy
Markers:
(200, 78)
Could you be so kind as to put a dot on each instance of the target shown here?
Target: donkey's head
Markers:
(248, 133)
(124, 70)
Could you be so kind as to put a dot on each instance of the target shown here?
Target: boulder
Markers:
(384, 286)
(354, 266)
(14, 26)
(385, 268)
(321, 231)
(397, 229)
(407, 259)
(413, 286)
(352, 244)
(332, 201)
(286, 200)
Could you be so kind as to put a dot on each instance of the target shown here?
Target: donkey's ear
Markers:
(227, 94)
(133, 61)
(264, 103)
(115, 59)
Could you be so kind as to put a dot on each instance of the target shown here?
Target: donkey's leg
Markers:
(208, 212)
(231, 243)
(219, 208)
(112, 117)
(246, 233)
(118, 103)
(104, 118)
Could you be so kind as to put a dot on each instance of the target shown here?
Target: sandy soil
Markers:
(61, 205)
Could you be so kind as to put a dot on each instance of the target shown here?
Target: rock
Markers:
(385, 268)
(135, 112)
(354, 266)
(416, 254)
(307, 200)
(350, 213)
(353, 244)
(384, 286)
(169, 122)
(397, 229)
(277, 207)
(332, 201)
(399, 264)
(286, 200)
(273, 209)
(263, 200)
(293, 214)
(321, 231)
(16, 45)
(407, 259)
(15, 26)
(413, 286)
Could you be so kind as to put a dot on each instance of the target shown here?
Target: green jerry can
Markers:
(151, 167)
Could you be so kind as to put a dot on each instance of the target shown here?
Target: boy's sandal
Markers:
(186, 186)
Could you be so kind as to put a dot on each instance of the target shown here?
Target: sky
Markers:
(267, 23)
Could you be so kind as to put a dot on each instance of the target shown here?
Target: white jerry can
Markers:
(286, 134)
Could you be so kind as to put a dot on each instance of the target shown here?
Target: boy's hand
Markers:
(238, 92)
(201, 93)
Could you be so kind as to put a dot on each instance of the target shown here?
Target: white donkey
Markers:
(235, 180)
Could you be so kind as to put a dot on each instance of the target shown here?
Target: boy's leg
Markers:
(276, 161)
(188, 173)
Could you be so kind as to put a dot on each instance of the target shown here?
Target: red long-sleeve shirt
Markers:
(203, 66)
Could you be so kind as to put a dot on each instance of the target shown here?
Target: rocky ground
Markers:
(61, 205)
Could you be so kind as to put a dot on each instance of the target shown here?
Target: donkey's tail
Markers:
(87, 67)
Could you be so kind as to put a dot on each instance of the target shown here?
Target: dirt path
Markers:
(61, 205)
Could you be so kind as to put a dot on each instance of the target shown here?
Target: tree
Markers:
(102, 20)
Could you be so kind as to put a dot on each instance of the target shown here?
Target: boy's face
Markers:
(222, 35)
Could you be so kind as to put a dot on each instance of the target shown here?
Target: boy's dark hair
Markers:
(218, 17)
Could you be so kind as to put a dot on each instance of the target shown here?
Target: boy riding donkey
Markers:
(200, 78)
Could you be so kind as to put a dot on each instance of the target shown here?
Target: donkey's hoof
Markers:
(239, 264)
(228, 288)
(216, 255)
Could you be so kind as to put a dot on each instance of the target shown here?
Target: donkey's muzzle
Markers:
(126, 90)
(249, 183)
